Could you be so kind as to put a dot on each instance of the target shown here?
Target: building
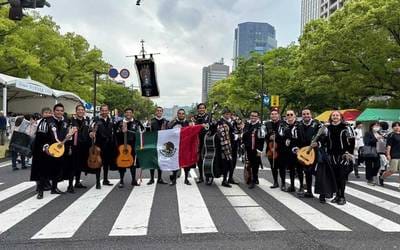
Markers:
(211, 74)
(328, 7)
(314, 9)
(309, 12)
(253, 37)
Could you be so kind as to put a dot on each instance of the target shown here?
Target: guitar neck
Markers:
(125, 139)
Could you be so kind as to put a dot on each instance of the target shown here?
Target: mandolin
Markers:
(57, 149)
(125, 158)
(94, 160)
(306, 155)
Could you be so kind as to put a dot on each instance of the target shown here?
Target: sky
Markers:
(188, 34)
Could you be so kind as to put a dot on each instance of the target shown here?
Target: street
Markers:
(197, 216)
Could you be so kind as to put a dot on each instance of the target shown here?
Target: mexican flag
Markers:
(169, 149)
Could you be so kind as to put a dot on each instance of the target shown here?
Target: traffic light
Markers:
(17, 6)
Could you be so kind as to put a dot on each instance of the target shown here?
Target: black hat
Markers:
(226, 110)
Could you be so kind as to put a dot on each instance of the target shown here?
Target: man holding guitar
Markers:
(51, 136)
(125, 135)
(308, 129)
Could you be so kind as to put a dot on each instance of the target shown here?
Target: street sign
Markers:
(124, 73)
(266, 100)
(88, 106)
(113, 73)
(275, 101)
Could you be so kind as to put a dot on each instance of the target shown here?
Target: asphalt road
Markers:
(194, 217)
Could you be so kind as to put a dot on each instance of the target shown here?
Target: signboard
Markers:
(33, 88)
(146, 69)
(266, 100)
(124, 73)
(113, 73)
(275, 101)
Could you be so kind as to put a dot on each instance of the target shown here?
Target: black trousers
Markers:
(226, 168)
(372, 166)
(159, 172)
(308, 172)
(340, 177)
(175, 173)
(290, 163)
(235, 147)
(277, 166)
(255, 162)
(122, 173)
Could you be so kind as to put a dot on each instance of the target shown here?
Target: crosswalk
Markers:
(195, 215)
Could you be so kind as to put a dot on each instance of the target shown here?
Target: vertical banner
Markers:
(146, 70)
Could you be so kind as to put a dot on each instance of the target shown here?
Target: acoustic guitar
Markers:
(125, 158)
(94, 160)
(57, 149)
(306, 155)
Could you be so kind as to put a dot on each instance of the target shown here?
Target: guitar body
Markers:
(211, 161)
(125, 158)
(306, 156)
(272, 152)
(57, 149)
(94, 160)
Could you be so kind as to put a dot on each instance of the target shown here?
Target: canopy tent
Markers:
(348, 115)
(372, 114)
(29, 96)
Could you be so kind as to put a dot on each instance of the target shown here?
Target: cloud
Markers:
(188, 34)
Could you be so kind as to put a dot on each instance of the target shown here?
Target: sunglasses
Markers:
(289, 114)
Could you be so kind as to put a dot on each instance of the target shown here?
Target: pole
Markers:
(262, 90)
(94, 92)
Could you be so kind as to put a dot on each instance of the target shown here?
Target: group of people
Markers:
(280, 139)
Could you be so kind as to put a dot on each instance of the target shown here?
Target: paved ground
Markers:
(197, 216)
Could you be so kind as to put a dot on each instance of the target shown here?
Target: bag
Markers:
(368, 152)
(381, 147)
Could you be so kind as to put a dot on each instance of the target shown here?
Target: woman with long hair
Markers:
(372, 162)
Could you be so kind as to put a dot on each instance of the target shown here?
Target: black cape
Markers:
(325, 183)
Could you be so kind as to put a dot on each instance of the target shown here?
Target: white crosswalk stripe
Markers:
(16, 214)
(194, 215)
(380, 189)
(252, 214)
(305, 211)
(69, 221)
(5, 164)
(393, 184)
(9, 192)
(135, 215)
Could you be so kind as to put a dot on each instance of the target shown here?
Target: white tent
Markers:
(29, 96)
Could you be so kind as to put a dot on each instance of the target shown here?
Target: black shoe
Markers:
(357, 176)
(276, 185)
(200, 180)
(322, 200)
(381, 180)
(226, 184)
(40, 195)
(107, 183)
(150, 182)
(283, 188)
(173, 182)
(308, 195)
(300, 193)
(79, 185)
(341, 201)
(232, 181)
(24, 167)
(252, 185)
(161, 181)
(135, 183)
(70, 190)
(56, 191)
(187, 182)
(98, 186)
(335, 200)
(121, 185)
(290, 189)
(15, 169)
(209, 181)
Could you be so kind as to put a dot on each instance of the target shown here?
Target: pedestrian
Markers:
(359, 143)
(3, 128)
(372, 160)
(393, 151)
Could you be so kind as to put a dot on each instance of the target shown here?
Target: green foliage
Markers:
(340, 63)
(35, 47)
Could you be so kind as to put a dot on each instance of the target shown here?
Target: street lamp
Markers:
(261, 66)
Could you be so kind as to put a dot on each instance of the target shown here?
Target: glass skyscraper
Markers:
(253, 37)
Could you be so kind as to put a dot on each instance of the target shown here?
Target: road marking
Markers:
(68, 222)
(393, 184)
(252, 214)
(391, 206)
(380, 189)
(7, 193)
(363, 172)
(302, 209)
(16, 214)
(261, 169)
(5, 164)
(193, 213)
(134, 216)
